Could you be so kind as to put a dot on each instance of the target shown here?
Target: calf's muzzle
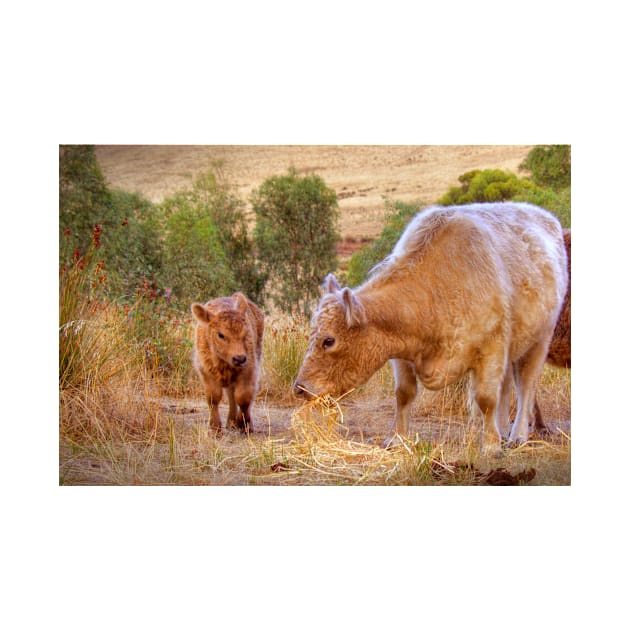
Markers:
(239, 360)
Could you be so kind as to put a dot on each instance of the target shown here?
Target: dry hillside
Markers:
(362, 175)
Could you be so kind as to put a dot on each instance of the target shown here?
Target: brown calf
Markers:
(467, 289)
(227, 354)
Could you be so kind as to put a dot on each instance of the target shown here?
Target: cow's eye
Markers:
(328, 342)
(220, 335)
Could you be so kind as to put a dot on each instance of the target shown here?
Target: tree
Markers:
(550, 165)
(208, 249)
(398, 215)
(497, 185)
(84, 199)
(127, 224)
(484, 186)
(295, 234)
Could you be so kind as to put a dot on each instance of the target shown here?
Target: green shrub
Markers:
(130, 244)
(196, 267)
(483, 186)
(495, 185)
(398, 214)
(83, 200)
(295, 234)
(557, 202)
(550, 165)
(207, 249)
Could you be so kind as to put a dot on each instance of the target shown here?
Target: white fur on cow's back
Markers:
(535, 225)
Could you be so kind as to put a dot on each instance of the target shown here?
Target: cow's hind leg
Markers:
(527, 372)
(406, 389)
(492, 385)
(539, 425)
(502, 414)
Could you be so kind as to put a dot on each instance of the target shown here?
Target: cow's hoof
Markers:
(493, 451)
(516, 443)
(392, 441)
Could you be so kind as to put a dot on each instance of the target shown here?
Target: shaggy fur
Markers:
(560, 347)
(467, 289)
(227, 354)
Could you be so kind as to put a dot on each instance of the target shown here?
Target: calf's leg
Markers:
(232, 417)
(243, 395)
(213, 398)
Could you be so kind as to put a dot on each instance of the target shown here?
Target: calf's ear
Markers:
(330, 284)
(200, 313)
(355, 313)
(241, 302)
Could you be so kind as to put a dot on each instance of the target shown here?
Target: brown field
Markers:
(139, 432)
(360, 175)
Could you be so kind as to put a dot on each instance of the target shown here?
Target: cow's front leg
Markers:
(406, 389)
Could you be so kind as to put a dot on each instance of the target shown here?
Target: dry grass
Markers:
(134, 435)
(132, 426)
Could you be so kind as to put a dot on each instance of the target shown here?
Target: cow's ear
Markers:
(200, 313)
(330, 284)
(241, 302)
(355, 313)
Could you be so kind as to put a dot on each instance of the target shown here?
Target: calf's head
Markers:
(337, 358)
(223, 324)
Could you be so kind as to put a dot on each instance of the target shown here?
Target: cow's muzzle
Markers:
(299, 389)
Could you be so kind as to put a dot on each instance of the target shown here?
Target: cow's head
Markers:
(337, 359)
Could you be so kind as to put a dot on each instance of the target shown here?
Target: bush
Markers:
(83, 200)
(483, 186)
(130, 244)
(495, 185)
(550, 166)
(195, 264)
(398, 214)
(295, 234)
(208, 251)
(557, 202)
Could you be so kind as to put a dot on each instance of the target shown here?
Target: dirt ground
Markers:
(366, 420)
(361, 175)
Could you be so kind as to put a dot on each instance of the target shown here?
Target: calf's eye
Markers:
(220, 335)
(328, 342)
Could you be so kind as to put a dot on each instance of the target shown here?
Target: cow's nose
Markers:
(239, 360)
(300, 390)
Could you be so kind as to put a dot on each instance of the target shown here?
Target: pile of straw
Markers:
(321, 449)
(321, 446)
